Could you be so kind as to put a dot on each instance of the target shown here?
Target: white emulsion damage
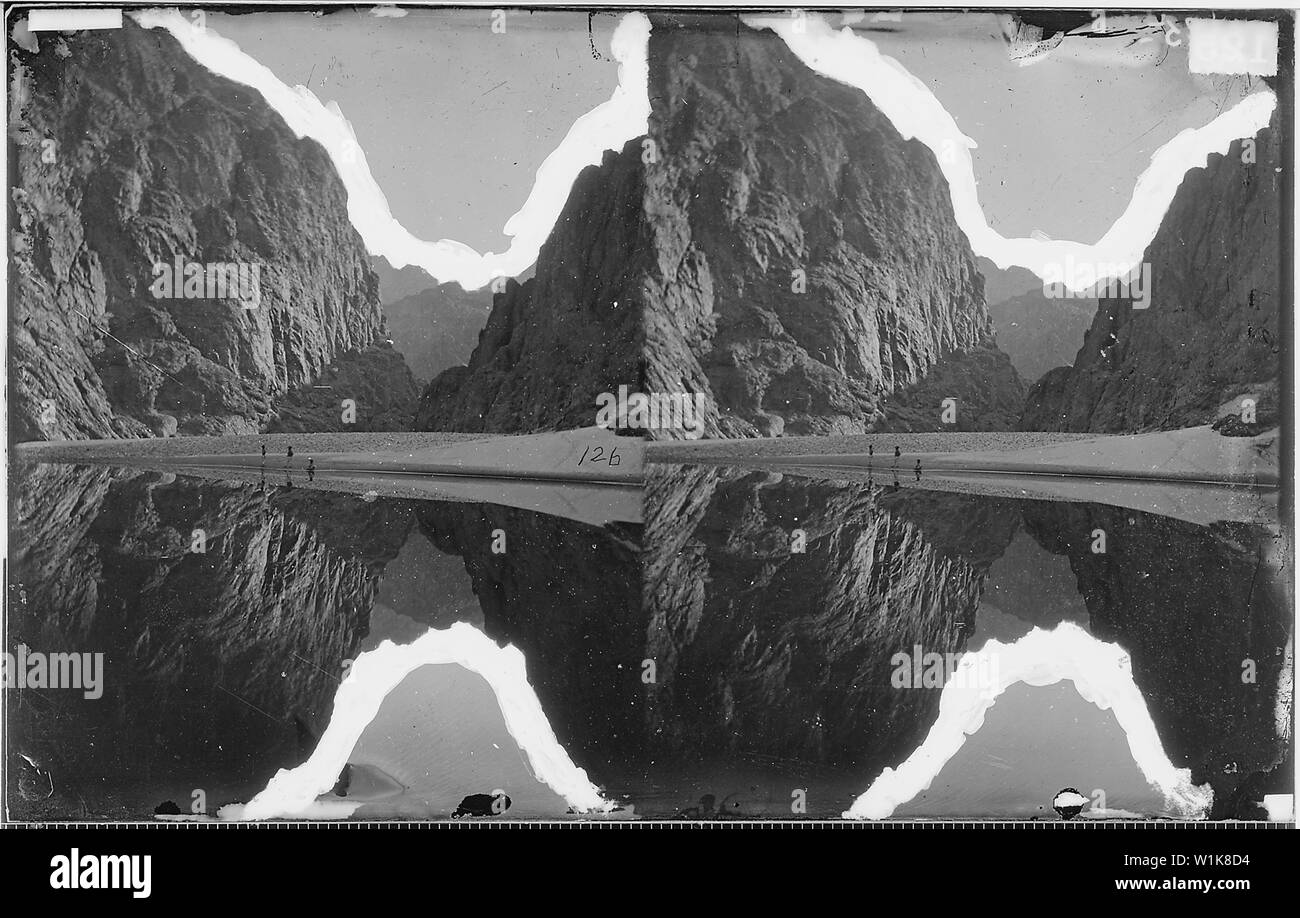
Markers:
(915, 113)
(844, 56)
(1101, 674)
(608, 126)
(293, 792)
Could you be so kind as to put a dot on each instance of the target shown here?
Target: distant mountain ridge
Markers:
(1038, 332)
(399, 283)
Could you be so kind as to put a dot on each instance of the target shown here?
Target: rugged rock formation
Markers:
(1040, 333)
(773, 177)
(773, 243)
(1207, 621)
(574, 330)
(1212, 331)
(130, 155)
(220, 666)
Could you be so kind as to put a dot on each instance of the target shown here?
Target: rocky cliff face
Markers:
(807, 265)
(773, 244)
(129, 156)
(220, 665)
(1212, 329)
(571, 332)
(985, 390)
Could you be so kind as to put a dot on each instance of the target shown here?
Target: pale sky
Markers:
(1062, 141)
(454, 118)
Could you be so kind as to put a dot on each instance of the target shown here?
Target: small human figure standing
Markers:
(918, 469)
(311, 469)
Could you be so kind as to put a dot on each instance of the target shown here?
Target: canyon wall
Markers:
(1212, 331)
(772, 243)
(128, 155)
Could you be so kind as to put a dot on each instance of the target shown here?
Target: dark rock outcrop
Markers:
(1212, 330)
(807, 263)
(129, 155)
(571, 332)
(773, 244)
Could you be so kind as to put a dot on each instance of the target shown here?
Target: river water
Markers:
(760, 645)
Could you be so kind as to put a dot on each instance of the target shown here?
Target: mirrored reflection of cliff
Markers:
(1205, 613)
(220, 664)
(767, 652)
(736, 657)
(228, 612)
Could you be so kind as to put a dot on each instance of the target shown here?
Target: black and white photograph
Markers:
(644, 417)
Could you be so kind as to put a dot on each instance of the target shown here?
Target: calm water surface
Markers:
(738, 654)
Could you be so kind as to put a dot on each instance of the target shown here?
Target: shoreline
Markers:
(1195, 455)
